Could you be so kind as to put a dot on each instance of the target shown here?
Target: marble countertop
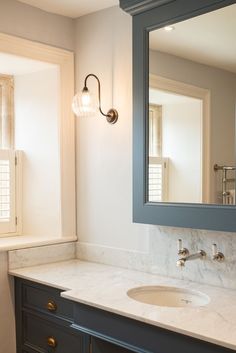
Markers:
(105, 287)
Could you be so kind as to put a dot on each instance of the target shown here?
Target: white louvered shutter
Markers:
(7, 191)
(158, 179)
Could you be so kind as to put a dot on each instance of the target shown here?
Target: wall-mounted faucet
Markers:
(184, 253)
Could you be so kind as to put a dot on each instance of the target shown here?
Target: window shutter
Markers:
(7, 191)
(158, 179)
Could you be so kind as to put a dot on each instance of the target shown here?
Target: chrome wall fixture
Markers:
(227, 198)
(83, 103)
(185, 256)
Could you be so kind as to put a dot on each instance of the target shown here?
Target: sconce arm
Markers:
(99, 90)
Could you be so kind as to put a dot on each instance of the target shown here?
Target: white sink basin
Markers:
(168, 296)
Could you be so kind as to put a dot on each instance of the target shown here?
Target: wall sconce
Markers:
(83, 103)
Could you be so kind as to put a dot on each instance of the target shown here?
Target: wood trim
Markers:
(65, 60)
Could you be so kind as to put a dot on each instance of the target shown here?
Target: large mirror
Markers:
(192, 100)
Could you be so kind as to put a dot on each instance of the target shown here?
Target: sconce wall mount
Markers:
(82, 104)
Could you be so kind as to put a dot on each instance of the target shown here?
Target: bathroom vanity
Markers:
(75, 307)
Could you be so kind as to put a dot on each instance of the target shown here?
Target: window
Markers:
(158, 181)
(48, 202)
(155, 130)
(9, 159)
(158, 166)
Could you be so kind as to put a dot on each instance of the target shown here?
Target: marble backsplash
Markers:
(41, 255)
(160, 258)
(162, 255)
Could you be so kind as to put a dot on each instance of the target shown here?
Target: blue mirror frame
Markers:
(149, 15)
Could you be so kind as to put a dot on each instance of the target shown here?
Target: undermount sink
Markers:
(168, 296)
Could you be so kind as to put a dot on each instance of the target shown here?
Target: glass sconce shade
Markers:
(84, 104)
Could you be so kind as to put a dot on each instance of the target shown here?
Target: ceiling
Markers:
(208, 39)
(71, 8)
(17, 65)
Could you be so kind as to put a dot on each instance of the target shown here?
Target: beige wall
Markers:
(31, 23)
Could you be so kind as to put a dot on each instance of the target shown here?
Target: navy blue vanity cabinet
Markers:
(112, 333)
(47, 323)
(43, 321)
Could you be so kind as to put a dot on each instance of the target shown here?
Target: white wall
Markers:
(104, 152)
(36, 134)
(181, 143)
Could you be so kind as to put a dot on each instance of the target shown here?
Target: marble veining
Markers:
(40, 255)
(162, 255)
(106, 287)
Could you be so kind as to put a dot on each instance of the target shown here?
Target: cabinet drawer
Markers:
(47, 300)
(45, 336)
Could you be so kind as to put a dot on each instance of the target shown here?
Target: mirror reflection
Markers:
(192, 99)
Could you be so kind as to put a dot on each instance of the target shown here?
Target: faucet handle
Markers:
(182, 251)
(179, 244)
(217, 255)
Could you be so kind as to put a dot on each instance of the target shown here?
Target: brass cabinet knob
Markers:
(51, 306)
(52, 342)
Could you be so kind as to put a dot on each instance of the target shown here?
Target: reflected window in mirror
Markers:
(192, 99)
(158, 165)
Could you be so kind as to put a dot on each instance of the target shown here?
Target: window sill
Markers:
(28, 241)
